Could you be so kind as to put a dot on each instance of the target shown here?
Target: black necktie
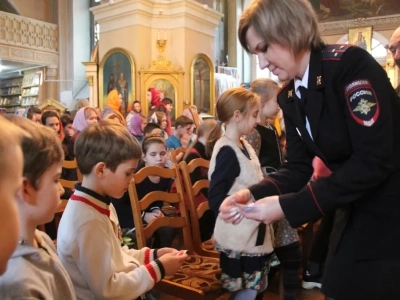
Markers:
(302, 102)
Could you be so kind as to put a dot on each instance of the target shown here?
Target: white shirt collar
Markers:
(302, 82)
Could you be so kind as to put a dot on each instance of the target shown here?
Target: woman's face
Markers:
(136, 107)
(163, 124)
(148, 96)
(156, 155)
(91, 117)
(278, 59)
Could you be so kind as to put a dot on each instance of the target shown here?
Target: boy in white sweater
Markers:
(34, 270)
(89, 242)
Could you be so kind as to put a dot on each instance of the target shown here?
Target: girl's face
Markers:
(144, 123)
(156, 155)
(248, 121)
(91, 117)
(163, 124)
(136, 107)
(270, 109)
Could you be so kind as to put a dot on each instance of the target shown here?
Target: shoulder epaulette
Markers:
(334, 52)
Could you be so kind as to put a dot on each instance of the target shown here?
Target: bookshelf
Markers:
(30, 88)
(20, 92)
(10, 93)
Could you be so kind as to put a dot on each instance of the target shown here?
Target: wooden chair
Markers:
(175, 152)
(190, 191)
(71, 165)
(197, 278)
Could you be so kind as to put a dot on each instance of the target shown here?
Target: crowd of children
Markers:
(89, 262)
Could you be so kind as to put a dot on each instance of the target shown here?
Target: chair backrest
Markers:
(191, 190)
(175, 152)
(71, 165)
(175, 199)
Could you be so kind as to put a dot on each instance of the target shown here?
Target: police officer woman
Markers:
(338, 105)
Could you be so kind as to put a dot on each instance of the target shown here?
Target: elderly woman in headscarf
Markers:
(83, 118)
(112, 107)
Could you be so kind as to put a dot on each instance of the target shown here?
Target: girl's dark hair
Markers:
(49, 114)
(66, 119)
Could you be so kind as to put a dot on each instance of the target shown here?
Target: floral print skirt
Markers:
(244, 271)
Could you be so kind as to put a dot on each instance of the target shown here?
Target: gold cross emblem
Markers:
(290, 93)
(318, 80)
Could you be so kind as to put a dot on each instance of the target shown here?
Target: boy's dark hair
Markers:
(150, 127)
(167, 101)
(182, 121)
(107, 142)
(49, 114)
(136, 101)
(41, 149)
(66, 119)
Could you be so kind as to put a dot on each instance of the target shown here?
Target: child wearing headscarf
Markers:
(113, 106)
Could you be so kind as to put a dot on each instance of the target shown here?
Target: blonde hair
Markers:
(41, 149)
(265, 88)
(107, 142)
(230, 101)
(159, 116)
(86, 111)
(81, 103)
(284, 22)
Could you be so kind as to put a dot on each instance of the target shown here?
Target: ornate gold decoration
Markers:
(161, 45)
(90, 79)
(52, 103)
(161, 64)
(162, 69)
(290, 93)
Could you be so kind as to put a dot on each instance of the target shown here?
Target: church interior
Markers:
(58, 53)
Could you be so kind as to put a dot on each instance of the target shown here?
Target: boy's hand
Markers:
(172, 262)
(158, 213)
(163, 251)
(149, 216)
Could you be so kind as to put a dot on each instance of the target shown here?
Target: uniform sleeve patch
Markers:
(362, 102)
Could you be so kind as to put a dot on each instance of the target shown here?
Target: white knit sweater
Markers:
(90, 250)
(241, 237)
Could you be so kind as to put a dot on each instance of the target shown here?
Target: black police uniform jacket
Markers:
(354, 116)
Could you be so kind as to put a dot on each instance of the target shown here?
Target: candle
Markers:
(158, 35)
(165, 35)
